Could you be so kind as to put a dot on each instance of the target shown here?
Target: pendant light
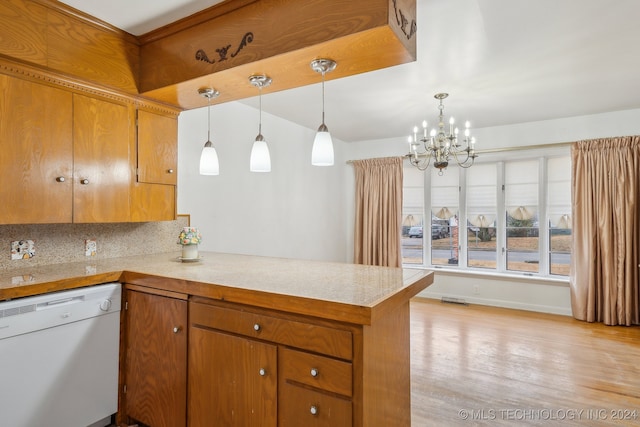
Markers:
(209, 157)
(260, 160)
(322, 151)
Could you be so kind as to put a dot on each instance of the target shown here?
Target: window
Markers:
(444, 217)
(507, 214)
(412, 216)
(559, 206)
(521, 215)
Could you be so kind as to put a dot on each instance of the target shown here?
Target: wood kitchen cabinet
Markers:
(249, 367)
(232, 380)
(155, 358)
(102, 166)
(36, 158)
(154, 192)
(157, 148)
(64, 158)
(71, 157)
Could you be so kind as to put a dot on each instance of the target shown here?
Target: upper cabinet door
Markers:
(102, 165)
(36, 153)
(157, 148)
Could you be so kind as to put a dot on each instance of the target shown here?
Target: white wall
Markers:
(296, 211)
(521, 293)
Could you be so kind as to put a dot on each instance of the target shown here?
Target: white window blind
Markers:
(481, 195)
(559, 191)
(444, 193)
(521, 189)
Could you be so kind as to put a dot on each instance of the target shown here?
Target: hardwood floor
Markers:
(475, 365)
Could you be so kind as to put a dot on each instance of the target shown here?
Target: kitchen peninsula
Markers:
(327, 341)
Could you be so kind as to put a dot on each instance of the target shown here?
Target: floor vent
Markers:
(450, 300)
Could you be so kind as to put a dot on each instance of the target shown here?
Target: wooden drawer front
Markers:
(321, 339)
(316, 371)
(298, 406)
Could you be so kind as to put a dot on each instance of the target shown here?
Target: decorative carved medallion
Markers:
(224, 51)
(403, 22)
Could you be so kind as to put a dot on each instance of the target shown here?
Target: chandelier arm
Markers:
(421, 164)
(464, 163)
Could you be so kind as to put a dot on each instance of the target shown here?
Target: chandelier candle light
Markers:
(189, 238)
(440, 144)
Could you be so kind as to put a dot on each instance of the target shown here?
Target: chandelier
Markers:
(440, 144)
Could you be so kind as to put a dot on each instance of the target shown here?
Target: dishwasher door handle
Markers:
(59, 303)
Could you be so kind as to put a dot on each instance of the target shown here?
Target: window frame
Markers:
(499, 158)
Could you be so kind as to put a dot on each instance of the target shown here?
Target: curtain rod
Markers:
(502, 150)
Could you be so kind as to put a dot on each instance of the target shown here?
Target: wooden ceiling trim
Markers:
(280, 38)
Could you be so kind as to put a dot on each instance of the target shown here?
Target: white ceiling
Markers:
(501, 61)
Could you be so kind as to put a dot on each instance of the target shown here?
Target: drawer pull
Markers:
(84, 181)
(176, 329)
(60, 179)
(314, 372)
(313, 410)
(256, 327)
(262, 372)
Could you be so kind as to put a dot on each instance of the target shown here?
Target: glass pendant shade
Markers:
(322, 150)
(260, 159)
(209, 160)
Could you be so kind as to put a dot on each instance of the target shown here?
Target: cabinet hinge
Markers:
(126, 305)
(124, 388)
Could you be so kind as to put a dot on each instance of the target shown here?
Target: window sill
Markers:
(546, 280)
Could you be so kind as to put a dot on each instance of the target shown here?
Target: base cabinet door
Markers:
(232, 380)
(156, 360)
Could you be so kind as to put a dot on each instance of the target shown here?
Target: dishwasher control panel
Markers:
(30, 314)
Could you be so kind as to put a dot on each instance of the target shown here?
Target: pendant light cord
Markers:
(208, 118)
(260, 113)
(323, 97)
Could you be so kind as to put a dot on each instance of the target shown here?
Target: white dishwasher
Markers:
(59, 358)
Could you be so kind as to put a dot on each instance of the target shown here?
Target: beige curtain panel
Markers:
(378, 211)
(606, 227)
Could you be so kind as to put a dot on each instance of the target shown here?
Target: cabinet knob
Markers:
(84, 181)
(176, 329)
(169, 170)
(262, 372)
(256, 327)
(314, 372)
(313, 410)
(60, 179)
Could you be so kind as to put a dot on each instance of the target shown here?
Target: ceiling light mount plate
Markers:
(208, 92)
(323, 65)
(260, 80)
(440, 96)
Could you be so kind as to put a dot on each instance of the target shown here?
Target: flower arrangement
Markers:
(189, 236)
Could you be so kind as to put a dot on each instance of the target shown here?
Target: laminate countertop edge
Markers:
(336, 291)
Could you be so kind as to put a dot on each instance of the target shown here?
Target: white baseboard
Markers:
(499, 303)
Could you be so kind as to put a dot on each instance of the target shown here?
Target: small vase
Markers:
(189, 251)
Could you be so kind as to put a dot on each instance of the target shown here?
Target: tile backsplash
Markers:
(59, 243)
